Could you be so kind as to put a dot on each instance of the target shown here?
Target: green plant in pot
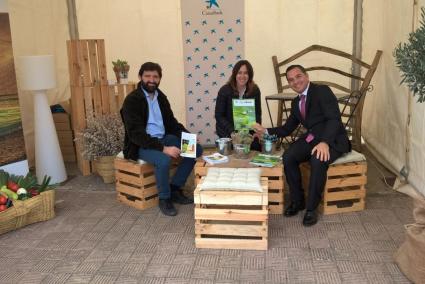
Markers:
(101, 141)
(121, 69)
(242, 140)
(410, 59)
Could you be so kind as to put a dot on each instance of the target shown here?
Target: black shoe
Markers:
(310, 218)
(293, 208)
(167, 207)
(177, 196)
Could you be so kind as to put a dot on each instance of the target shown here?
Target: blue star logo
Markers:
(212, 3)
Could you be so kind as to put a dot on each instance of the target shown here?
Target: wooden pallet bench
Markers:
(345, 187)
(231, 219)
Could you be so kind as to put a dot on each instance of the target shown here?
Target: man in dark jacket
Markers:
(316, 108)
(153, 134)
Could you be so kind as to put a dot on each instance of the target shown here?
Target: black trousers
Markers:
(300, 152)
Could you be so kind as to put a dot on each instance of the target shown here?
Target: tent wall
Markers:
(386, 110)
(136, 33)
(39, 27)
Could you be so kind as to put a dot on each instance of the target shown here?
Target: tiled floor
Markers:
(94, 239)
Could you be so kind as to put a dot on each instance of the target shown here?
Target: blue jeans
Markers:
(162, 162)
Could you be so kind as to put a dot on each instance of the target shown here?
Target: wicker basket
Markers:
(36, 209)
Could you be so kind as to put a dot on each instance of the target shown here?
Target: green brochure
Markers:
(243, 113)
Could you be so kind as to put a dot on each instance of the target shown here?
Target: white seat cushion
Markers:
(234, 179)
(139, 161)
(352, 156)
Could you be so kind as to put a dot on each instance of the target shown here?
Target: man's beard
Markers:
(151, 88)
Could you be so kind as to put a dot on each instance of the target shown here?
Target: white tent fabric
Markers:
(141, 30)
(386, 110)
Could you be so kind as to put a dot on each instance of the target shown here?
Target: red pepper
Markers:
(13, 186)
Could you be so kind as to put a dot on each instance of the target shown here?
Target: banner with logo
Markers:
(213, 41)
(12, 149)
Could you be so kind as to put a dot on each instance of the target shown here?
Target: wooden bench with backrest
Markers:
(351, 100)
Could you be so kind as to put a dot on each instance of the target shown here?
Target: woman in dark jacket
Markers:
(239, 86)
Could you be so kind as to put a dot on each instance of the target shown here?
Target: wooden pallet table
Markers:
(275, 176)
(231, 219)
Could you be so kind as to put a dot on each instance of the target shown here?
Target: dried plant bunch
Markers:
(103, 136)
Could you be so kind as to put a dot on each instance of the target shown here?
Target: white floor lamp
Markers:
(37, 74)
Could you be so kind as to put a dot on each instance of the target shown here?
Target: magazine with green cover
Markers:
(243, 113)
(265, 160)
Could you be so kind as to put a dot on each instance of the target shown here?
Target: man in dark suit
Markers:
(316, 108)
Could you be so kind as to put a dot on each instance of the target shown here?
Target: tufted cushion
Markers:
(352, 156)
(139, 161)
(235, 179)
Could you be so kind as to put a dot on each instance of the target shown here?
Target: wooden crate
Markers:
(66, 140)
(274, 175)
(136, 184)
(231, 219)
(345, 187)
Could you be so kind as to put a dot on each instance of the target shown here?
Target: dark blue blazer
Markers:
(323, 119)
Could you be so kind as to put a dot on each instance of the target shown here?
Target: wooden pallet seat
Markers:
(345, 189)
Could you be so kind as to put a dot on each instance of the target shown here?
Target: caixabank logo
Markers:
(213, 8)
